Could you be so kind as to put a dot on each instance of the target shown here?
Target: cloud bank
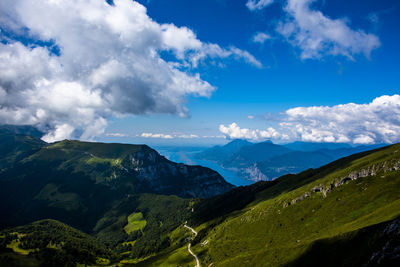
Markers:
(375, 122)
(161, 135)
(233, 131)
(156, 135)
(109, 63)
(317, 35)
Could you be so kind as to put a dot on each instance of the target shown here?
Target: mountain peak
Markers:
(21, 130)
(239, 141)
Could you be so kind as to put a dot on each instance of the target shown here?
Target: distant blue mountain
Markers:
(265, 160)
(219, 153)
(310, 146)
(253, 153)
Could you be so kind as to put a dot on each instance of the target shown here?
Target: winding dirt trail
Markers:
(190, 244)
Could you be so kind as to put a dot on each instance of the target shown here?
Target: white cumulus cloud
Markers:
(156, 135)
(117, 134)
(317, 35)
(374, 122)
(109, 63)
(234, 131)
(258, 4)
(261, 37)
(169, 136)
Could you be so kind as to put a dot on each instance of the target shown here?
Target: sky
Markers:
(182, 72)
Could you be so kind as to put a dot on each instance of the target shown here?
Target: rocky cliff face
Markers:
(126, 168)
(388, 252)
(253, 173)
(72, 180)
(167, 177)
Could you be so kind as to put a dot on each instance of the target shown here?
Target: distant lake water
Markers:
(185, 156)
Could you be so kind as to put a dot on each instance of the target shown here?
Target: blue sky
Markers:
(350, 55)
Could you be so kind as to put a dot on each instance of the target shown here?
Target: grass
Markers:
(14, 245)
(260, 231)
(180, 255)
(50, 235)
(136, 222)
(134, 261)
(18, 260)
(129, 243)
(97, 160)
(265, 233)
(68, 201)
(102, 261)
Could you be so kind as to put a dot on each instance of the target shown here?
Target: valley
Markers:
(213, 133)
(188, 156)
(266, 161)
(100, 204)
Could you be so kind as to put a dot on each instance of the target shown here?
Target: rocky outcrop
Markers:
(389, 251)
(167, 177)
(316, 189)
(253, 173)
(372, 170)
(306, 195)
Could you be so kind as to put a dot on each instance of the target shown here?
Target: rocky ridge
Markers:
(386, 166)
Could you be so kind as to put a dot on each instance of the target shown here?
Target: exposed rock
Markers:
(389, 253)
(372, 170)
(253, 173)
(328, 189)
(396, 166)
(167, 177)
(319, 188)
(343, 181)
(306, 195)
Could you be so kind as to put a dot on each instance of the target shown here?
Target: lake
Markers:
(185, 155)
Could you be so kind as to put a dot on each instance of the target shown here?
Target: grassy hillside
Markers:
(293, 219)
(112, 193)
(50, 243)
(15, 147)
(70, 180)
(136, 222)
(101, 189)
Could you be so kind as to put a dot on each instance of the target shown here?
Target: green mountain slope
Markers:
(296, 217)
(16, 144)
(124, 197)
(71, 179)
(26, 130)
(96, 187)
(50, 243)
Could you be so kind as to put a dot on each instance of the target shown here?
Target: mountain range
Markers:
(267, 161)
(94, 187)
(79, 203)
